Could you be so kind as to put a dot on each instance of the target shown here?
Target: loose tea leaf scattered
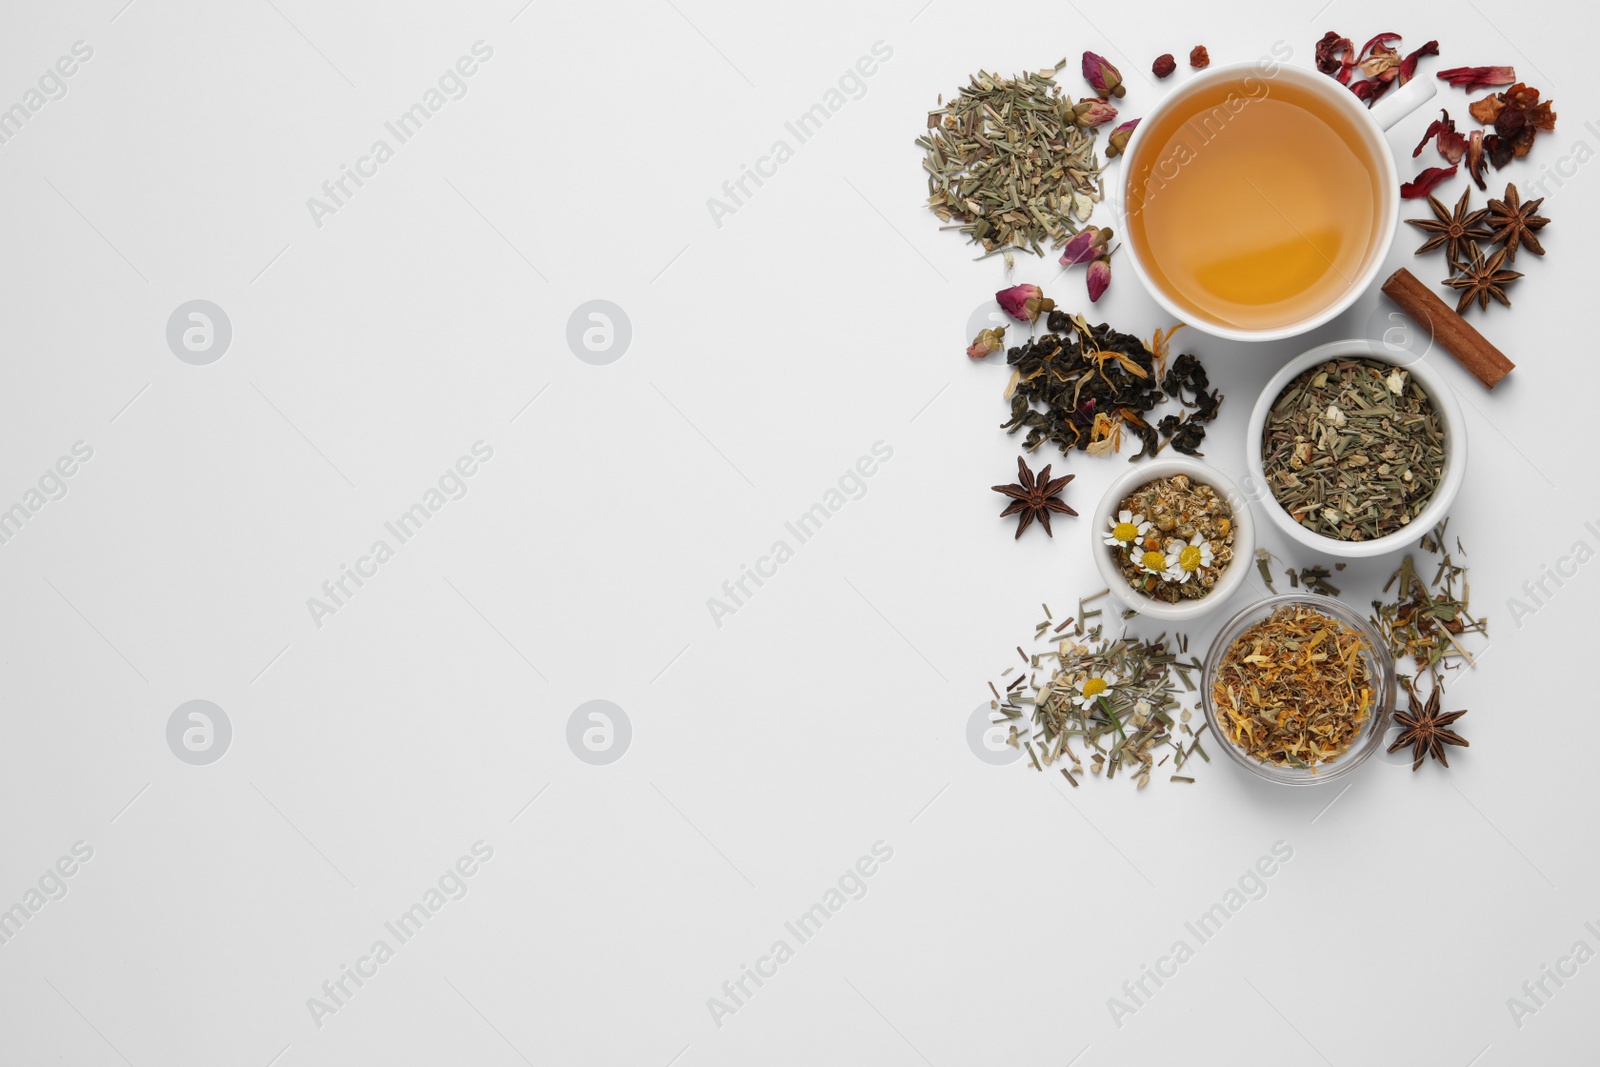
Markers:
(1426, 730)
(1353, 449)
(1081, 387)
(1011, 163)
(1034, 497)
(1295, 688)
(1428, 622)
(1111, 704)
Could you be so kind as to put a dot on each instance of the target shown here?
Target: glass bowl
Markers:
(1380, 664)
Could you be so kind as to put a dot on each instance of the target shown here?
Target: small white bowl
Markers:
(1455, 452)
(1244, 538)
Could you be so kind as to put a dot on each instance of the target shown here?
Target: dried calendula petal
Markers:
(1294, 689)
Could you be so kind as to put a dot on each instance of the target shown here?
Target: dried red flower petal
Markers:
(1408, 65)
(1475, 158)
(1164, 65)
(1199, 59)
(1380, 62)
(1368, 91)
(1487, 110)
(1474, 78)
(1499, 149)
(1442, 124)
(1335, 56)
(1523, 141)
(1380, 41)
(1452, 146)
(1424, 183)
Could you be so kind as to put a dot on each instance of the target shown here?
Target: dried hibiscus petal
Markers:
(1475, 158)
(1423, 184)
(1335, 56)
(1474, 78)
(1380, 41)
(1408, 65)
(1499, 149)
(1487, 110)
(1452, 146)
(1442, 124)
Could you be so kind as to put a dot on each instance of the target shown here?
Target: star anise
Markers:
(1034, 497)
(1515, 223)
(1425, 730)
(1451, 230)
(1479, 280)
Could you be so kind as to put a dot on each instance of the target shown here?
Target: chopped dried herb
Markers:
(1011, 163)
(1427, 622)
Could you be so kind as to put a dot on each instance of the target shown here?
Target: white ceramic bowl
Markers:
(1244, 538)
(1455, 452)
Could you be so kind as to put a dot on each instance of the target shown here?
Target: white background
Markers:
(770, 753)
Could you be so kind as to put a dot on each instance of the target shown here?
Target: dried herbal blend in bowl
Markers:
(1172, 538)
(1353, 449)
(1295, 689)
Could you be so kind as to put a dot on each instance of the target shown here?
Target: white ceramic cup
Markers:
(1389, 109)
(1244, 538)
(1450, 421)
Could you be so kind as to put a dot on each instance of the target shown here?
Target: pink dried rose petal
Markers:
(1423, 184)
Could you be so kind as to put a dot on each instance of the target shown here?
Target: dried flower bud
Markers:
(1092, 112)
(1099, 278)
(1199, 58)
(1102, 77)
(1117, 143)
(1164, 65)
(990, 340)
(1024, 302)
(1085, 245)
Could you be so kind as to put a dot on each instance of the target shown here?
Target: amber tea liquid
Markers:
(1255, 202)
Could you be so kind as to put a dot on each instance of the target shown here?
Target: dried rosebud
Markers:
(1423, 184)
(1092, 112)
(1085, 245)
(1103, 78)
(1024, 302)
(1474, 78)
(1408, 65)
(1199, 59)
(1117, 143)
(1099, 278)
(1164, 65)
(990, 340)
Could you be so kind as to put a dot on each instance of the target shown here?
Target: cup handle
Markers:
(1392, 107)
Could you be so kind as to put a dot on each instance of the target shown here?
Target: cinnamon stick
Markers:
(1453, 333)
